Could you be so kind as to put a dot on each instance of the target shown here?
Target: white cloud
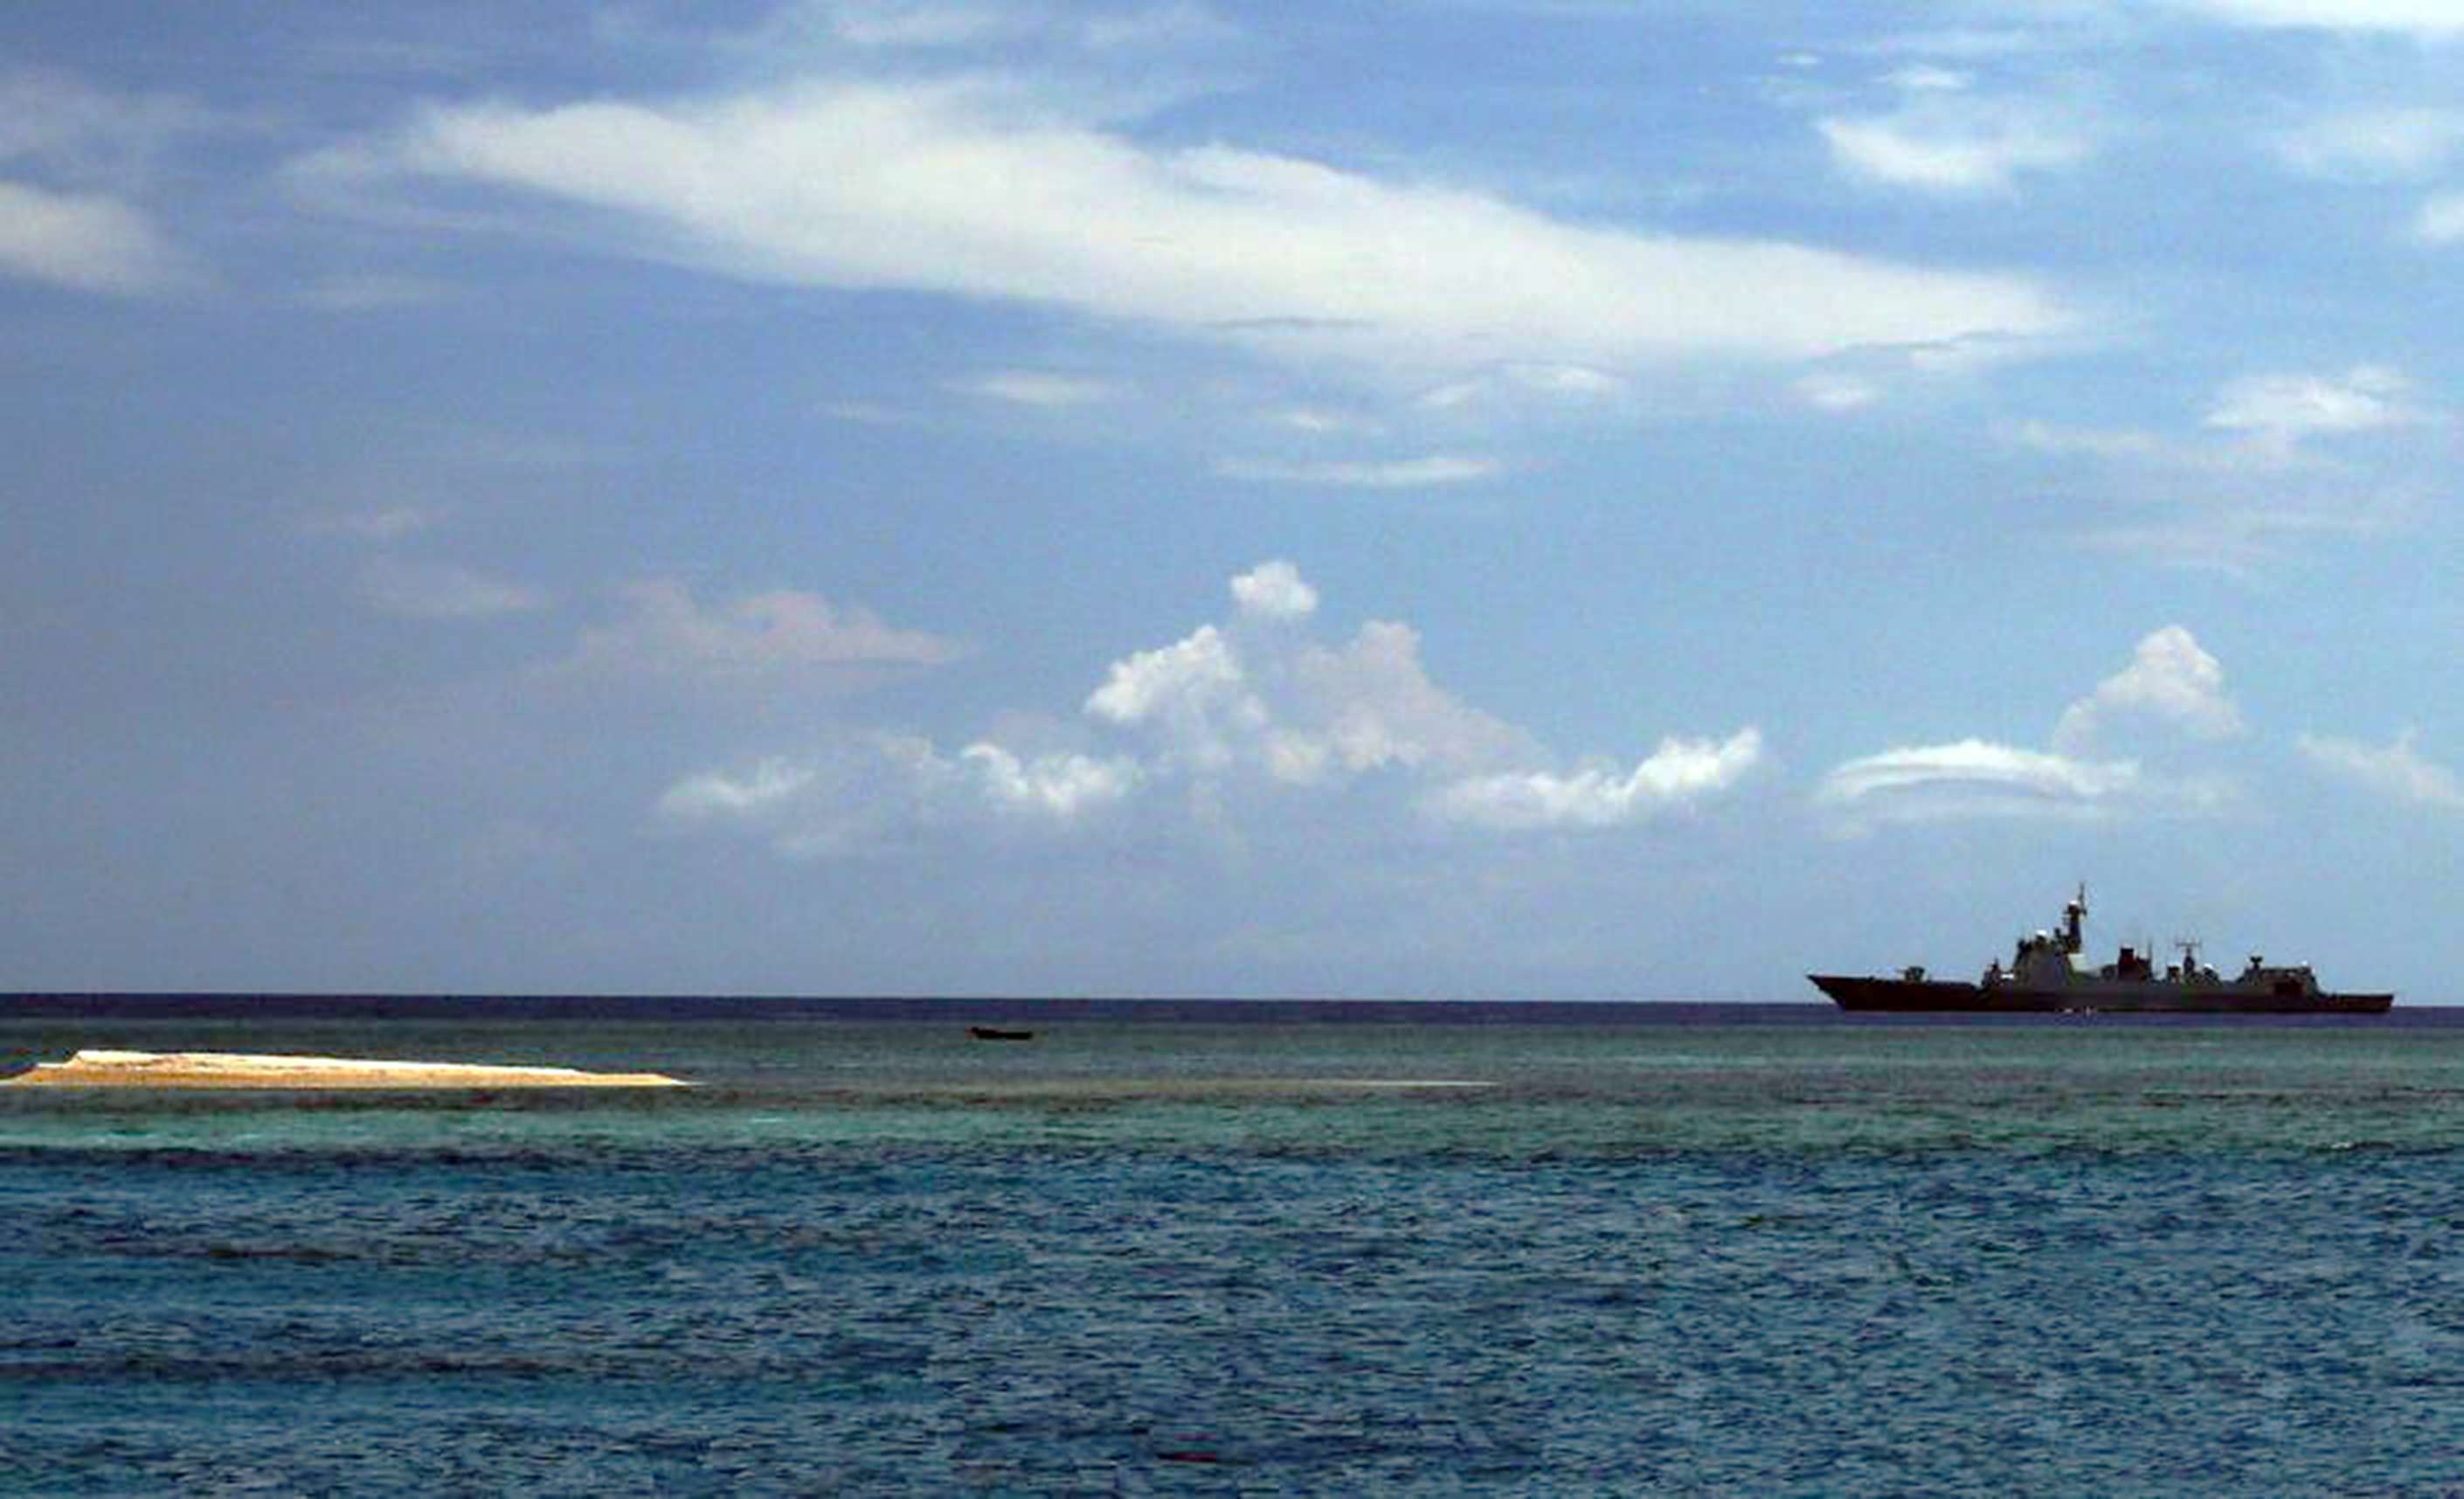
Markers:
(1370, 704)
(1950, 142)
(2171, 678)
(1303, 713)
(1040, 388)
(441, 591)
(1190, 682)
(2284, 409)
(86, 242)
(2440, 219)
(2396, 769)
(1248, 713)
(1552, 383)
(1974, 778)
(950, 25)
(1274, 591)
(2419, 17)
(1834, 391)
(718, 793)
(890, 786)
(663, 633)
(78, 161)
(919, 23)
(984, 189)
(1397, 473)
(1679, 772)
(2375, 144)
(1058, 785)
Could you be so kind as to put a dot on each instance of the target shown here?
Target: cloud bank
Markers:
(1252, 704)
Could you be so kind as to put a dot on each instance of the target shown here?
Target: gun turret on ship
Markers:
(2047, 974)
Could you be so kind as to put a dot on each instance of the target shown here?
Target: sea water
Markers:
(1698, 1249)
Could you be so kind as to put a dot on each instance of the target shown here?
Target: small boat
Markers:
(996, 1034)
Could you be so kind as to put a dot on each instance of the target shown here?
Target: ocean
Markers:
(1231, 1247)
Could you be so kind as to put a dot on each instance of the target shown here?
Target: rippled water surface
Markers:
(1685, 1252)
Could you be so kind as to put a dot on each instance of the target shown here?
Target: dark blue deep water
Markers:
(1739, 1251)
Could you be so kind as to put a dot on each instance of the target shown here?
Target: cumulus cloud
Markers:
(843, 800)
(1679, 772)
(1370, 704)
(1274, 591)
(1059, 786)
(2170, 682)
(989, 190)
(663, 632)
(2395, 770)
(1298, 712)
(1250, 709)
(2171, 679)
(1195, 692)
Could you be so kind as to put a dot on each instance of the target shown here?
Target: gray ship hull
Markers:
(2127, 997)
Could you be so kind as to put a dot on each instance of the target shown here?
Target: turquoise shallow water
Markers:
(870, 1257)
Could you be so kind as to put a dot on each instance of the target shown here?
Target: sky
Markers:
(1430, 498)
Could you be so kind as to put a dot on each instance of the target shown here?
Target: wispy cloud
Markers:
(1390, 473)
(2414, 17)
(2395, 770)
(1942, 140)
(2375, 144)
(385, 523)
(85, 241)
(1042, 388)
(2285, 409)
(842, 801)
(443, 591)
(75, 163)
(2440, 219)
(994, 190)
(1974, 778)
(662, 632)
(2278, 458)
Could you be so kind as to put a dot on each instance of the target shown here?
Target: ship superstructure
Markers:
(2047, 974)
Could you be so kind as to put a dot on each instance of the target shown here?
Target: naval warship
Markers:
(2046, 974)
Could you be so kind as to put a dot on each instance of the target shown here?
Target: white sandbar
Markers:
(102, 1069)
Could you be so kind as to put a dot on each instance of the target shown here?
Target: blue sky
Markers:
(1493, 498)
